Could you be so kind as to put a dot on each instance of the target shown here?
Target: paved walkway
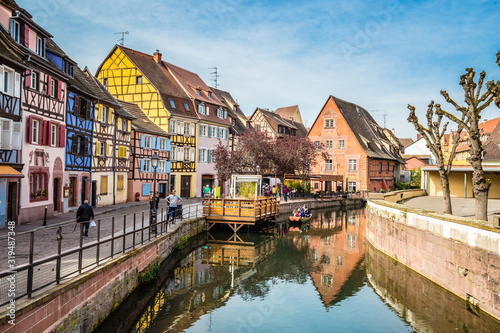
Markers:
(461, 207)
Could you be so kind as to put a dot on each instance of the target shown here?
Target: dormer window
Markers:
(39, 46)
(15, 30)
(186, 107)
(201, 108)
(172, 104)
(198, 92)
(209, 94)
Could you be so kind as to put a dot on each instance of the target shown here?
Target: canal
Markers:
(320, 276)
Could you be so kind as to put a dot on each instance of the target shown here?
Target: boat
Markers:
(299, 219)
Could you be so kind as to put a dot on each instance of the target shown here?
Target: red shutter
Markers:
(49, 84)
(26, 35)
(59, 90)
(46, 133)
(29, 130)
(62, 135)
(27, 78)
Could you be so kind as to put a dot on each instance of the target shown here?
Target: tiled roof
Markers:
(287, 111)
(369, 135)
(487, 126)
(301, 129)
(233, 110)
(141, 122)
(11, 3)
(405, 141)
(163, 81)
(7, 52)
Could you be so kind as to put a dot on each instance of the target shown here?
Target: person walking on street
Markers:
(172, 201)
(206, 191)
(84, 215)
(285, 192)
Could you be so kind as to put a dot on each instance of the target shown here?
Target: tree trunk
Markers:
(445, 184)
(480, 185)
(481, 205)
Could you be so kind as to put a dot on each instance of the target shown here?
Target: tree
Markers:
(227, 163)
(475, 103)
(433, 135)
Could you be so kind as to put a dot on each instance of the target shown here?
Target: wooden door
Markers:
(185, 186)
(12, 202)
(71, 199)
(56, 195)
(94, 193)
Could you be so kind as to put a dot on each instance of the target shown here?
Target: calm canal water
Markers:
(316, 277)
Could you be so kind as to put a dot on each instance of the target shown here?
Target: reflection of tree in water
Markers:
(287, 264)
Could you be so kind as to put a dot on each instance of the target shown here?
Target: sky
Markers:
(381, 55)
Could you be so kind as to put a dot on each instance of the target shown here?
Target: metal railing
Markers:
(114, 236)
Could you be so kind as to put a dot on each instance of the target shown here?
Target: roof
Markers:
(7, 171)
(11, 3)
(141, 122)
(301, 129)
(163, 81)
(488, 126)
(233, 110)
(287, 112)
(8, 53)
(405, 141)
(368, 133)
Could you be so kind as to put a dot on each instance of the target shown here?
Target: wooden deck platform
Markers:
(239, 212)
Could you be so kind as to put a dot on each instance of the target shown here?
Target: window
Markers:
(209, 94)
(104, 185)
(380, 167)
(341, 144)
(329, 144)
(186, 154)
(328, 165)
(120, 186)
(171, 126)
(203, 130)
(122, 152)
(39, 46)
(8, 81)
(15, 30)
(105, 82)
(329, 123)
(83, 108)
(138, 79)
(53, 87)
(198, 92)
(317, 144)
(38, 186)
(53, 135)
(316, 185)
(101, 148)
(326, 280)
(387, 170)
(352, 186)
(202, 155)
(201, 108)
(186, 106)
(162, 144)
(186, 129)
(147, 165)
(34, 80)
(214, 132)
(162, 167)
(35, 131)
(148, 141)
(104, 114)
(173, 153)
(172, 104)
(340, 260)
(352, 165)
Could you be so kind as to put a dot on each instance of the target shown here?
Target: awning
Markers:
(384, 185)
(9, 172)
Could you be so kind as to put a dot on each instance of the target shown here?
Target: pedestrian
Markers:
(84, 215)
(154, 201)
(274, 190)
(285, 192)
(172, 201)
(206, 191)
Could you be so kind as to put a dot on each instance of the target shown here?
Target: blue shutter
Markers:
(153, 143)
(169, 145)
(143, 141)
(225, 114)
(209, 156)
(146, 189)
(142, 165)
(168, 167)
(157, 142)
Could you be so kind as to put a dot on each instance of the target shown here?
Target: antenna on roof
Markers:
(121, 40)
(385, 117)
(216, 76)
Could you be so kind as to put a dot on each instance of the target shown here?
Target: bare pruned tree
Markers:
(434, 135)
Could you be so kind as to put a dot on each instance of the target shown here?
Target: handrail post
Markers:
(223, 206)
(133, 234)
(161, 222)
(29, 286)
(58, 264)
(112, 236)
(80, 251)
(98, 248)
(142, 229)
(124, 230)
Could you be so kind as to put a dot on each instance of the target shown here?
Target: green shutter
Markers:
(209, 156)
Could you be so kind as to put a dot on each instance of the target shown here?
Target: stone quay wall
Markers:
(459, 254)
(81, 304)
(289, 206)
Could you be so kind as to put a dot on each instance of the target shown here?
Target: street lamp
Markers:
(154, 163)
(257, 169)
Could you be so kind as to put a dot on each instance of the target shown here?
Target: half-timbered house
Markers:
(44, 107)
(144, 79)
(213, 125)
(11, 70)
(273, 124)
(147, 139)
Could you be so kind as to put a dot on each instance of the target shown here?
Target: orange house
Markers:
(361, 156)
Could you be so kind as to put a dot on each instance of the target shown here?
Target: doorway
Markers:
(172, 183)
(12, 202)
(71, 199)
(84, 189)
(94, 193)
(162, 190)
(186, 186)
(56, 195)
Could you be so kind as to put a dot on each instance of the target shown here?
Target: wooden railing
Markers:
(259, 209)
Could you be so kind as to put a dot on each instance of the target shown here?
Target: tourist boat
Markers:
(299, 219)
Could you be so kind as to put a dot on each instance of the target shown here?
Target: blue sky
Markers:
(381, 55)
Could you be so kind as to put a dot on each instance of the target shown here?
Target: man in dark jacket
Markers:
(84, 215)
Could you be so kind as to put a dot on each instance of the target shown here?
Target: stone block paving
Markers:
(46, 241)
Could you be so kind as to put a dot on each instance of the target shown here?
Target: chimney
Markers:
(419, 136)
(157, 56)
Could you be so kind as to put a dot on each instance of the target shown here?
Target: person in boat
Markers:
(295, 213)
(306, 211)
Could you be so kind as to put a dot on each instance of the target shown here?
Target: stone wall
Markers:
(82, 303)
(459, 254)
(288, 207)
(396, 196)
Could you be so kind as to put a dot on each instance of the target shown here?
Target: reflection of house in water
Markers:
(203, 282)
(336, 247)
